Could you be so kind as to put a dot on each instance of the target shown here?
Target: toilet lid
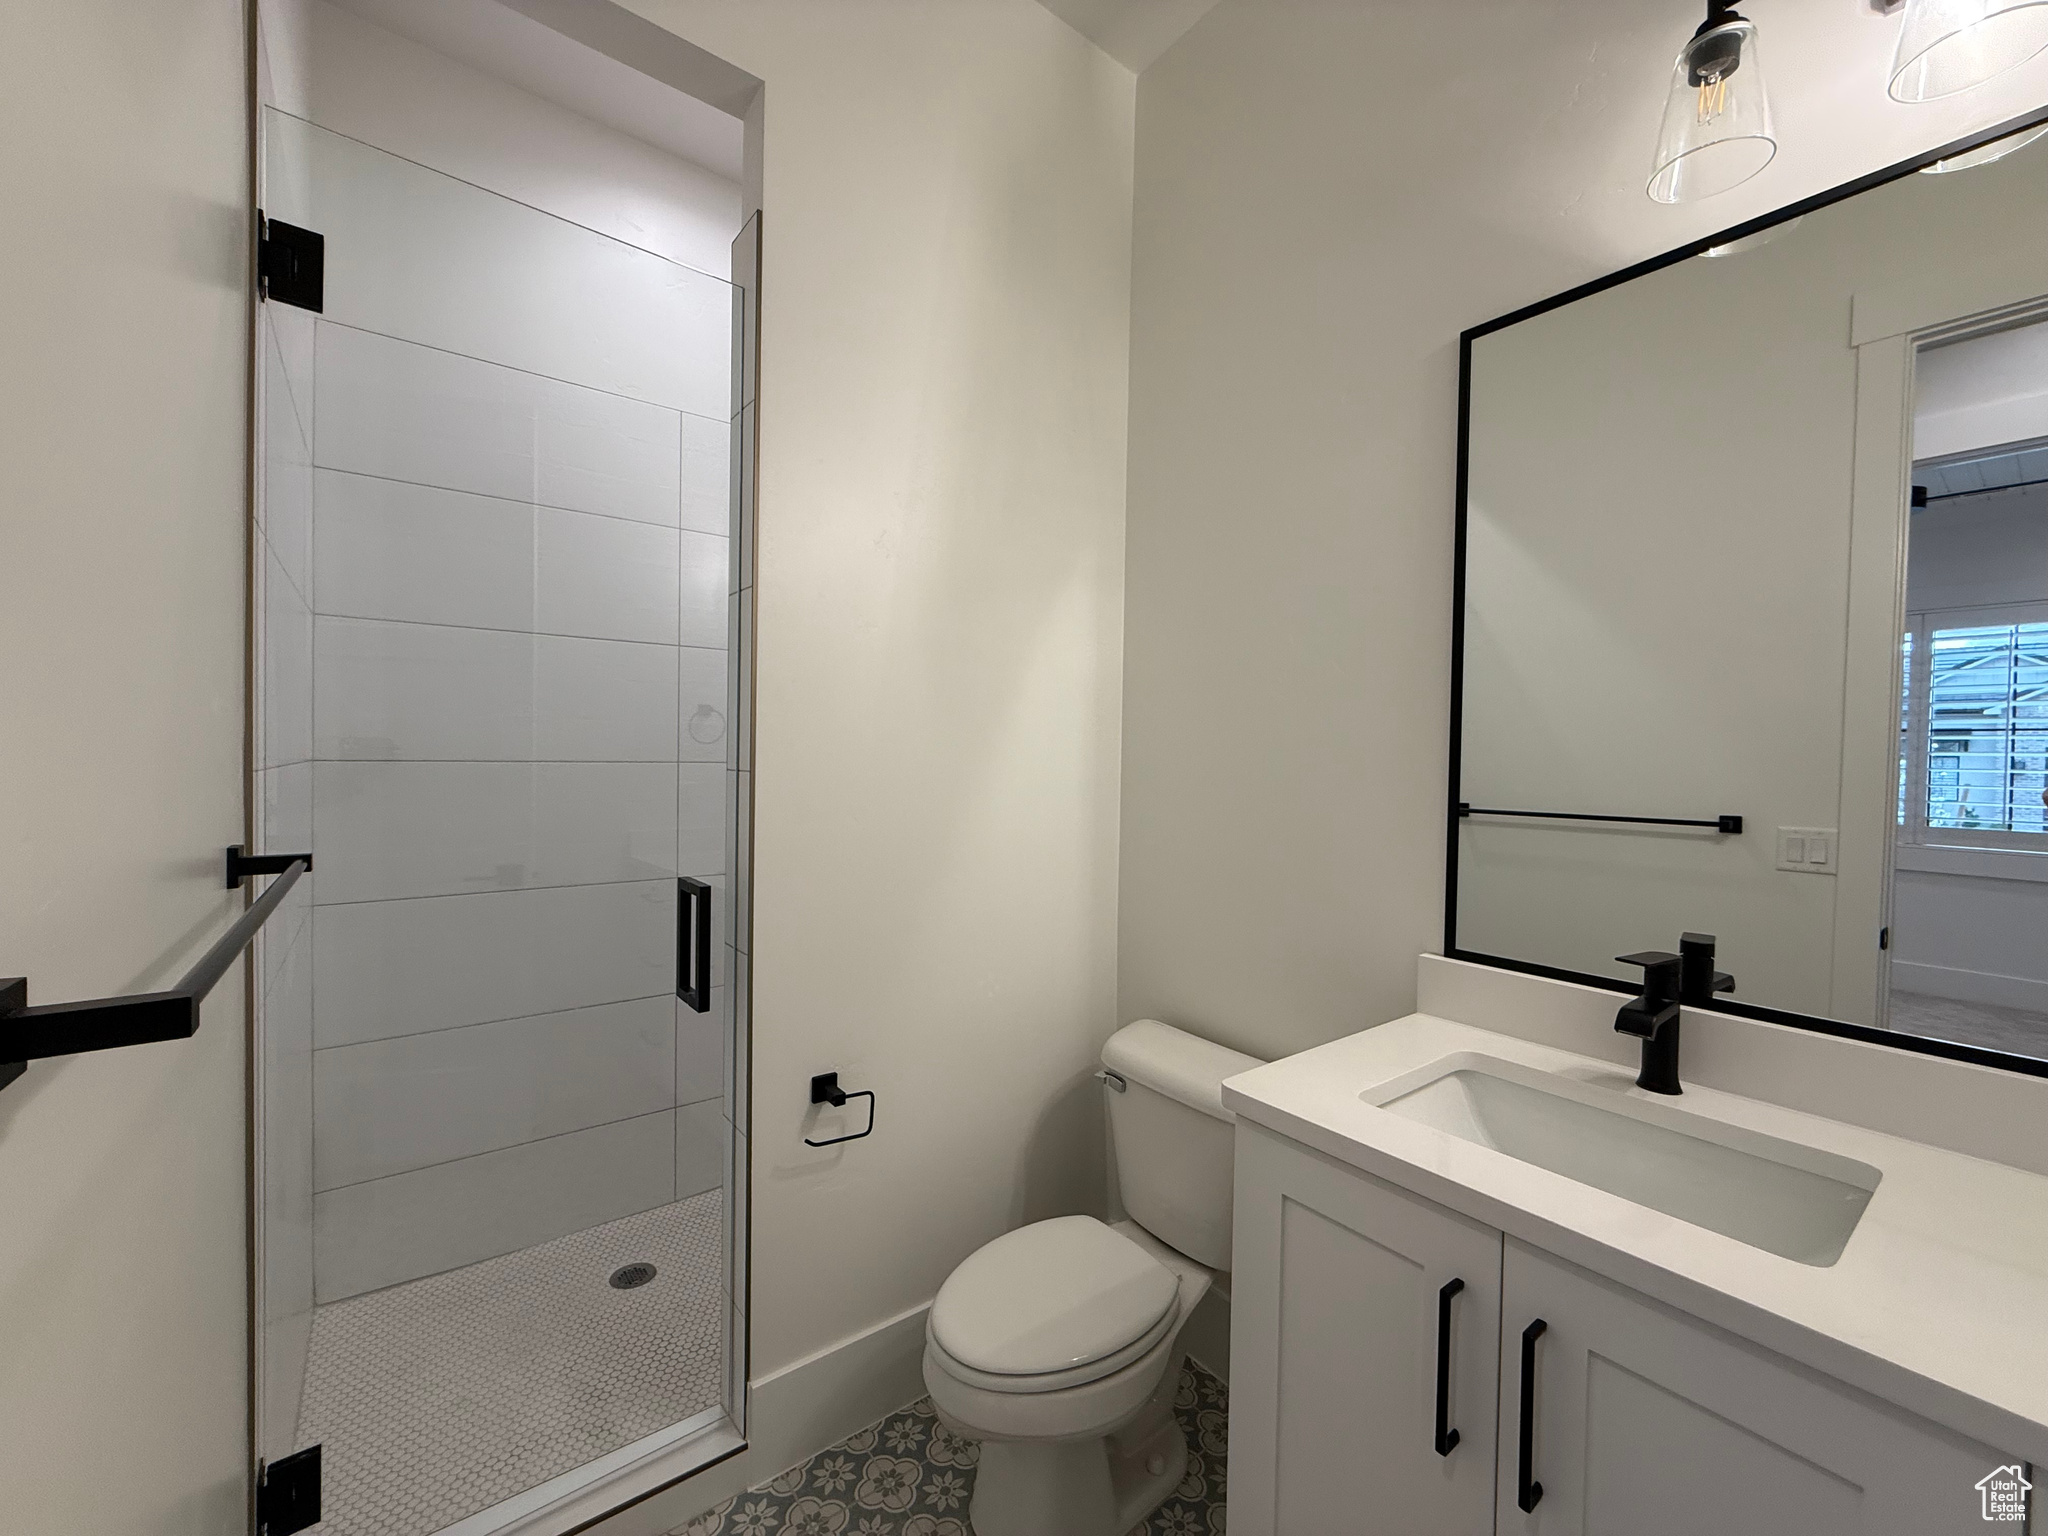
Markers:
(1049, 1297)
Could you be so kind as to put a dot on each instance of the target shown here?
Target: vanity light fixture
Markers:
(1717, 118)
(1947, 46)
(1984, 154)
(1751, 242)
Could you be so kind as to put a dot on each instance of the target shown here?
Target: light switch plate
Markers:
(1806, 850)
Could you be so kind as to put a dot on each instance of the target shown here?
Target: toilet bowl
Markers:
(1057, 1346)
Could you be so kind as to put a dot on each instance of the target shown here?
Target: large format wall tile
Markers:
(420, 1223)
(707, 474)
(287, 503)
(700, 819)
(394, 1105)
(701, 1049)
(705, 570)
(287, 669)
(385, 549)
(604, 700)
(411, 252)
(703, 1139)
(604, 576)
(702, 706)
(425, 691)
(410, 691)
(400, 411)
(394, 829)
(385, 968)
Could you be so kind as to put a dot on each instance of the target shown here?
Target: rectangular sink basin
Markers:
(1797, 1202)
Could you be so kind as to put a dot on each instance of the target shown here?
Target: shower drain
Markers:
(629, 1276)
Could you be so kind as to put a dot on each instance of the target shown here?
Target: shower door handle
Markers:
(693, 943)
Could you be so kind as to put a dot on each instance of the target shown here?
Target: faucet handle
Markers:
(1648, 959)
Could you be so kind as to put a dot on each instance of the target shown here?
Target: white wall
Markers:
(1326, 196)
(1981, 393)
(122, 1180)
(1967, 925)
(946, 195)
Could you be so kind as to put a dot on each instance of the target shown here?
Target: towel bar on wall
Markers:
(102, 1023)
(1729, 824)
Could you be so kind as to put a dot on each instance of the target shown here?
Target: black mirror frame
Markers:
(1981, 1056)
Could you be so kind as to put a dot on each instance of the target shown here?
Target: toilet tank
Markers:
(1172, 1136)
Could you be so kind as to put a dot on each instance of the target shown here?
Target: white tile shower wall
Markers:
(702, 1146)
(518, 626)
(395, 409)
(390, 1106)
(428, 555)
(395, 829)
(388, 968)
(414, 253)
(387, 1230)
(428, 691)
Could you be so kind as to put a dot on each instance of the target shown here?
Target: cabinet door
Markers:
(1338, 1287)
(1649, 1423)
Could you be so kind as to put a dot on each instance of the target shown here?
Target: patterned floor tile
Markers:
(911, 1476)
(440, 1397)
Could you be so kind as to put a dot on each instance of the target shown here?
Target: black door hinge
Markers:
(288, 1493)
(1884, 937)
(291, 263)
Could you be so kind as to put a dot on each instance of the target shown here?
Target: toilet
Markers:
(1057, 1345)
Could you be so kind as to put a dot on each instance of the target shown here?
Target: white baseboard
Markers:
(819, 1401)
(791, 1416)
(1963, 986)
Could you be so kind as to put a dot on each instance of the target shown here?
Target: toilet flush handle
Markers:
(1113, 1079)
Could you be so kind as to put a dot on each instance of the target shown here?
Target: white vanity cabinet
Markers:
(1649, 1422)
(1337, 1302)
(1643, 1422)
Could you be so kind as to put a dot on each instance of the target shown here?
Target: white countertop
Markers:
(1938, 1304)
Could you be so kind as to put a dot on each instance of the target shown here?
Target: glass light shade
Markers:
(1717, 119)
(1984, 154)
(1947, 46)
(1762, 237)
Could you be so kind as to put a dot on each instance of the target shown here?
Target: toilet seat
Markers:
(1053, 1305)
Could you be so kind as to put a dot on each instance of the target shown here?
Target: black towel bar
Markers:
(99, 1024)
(1728, 824)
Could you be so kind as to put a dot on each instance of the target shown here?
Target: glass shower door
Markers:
(492, 574)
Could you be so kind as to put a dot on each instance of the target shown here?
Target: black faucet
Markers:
(1687, 979)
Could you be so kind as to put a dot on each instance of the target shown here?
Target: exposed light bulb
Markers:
(1947, 46)
(1716, 132)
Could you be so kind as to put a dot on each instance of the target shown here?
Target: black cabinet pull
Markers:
(1528, 1492)
(1446, 1437)
(693, 944)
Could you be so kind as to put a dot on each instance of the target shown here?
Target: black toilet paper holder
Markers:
(825, 1089)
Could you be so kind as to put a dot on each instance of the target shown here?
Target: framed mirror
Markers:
(1752, 614)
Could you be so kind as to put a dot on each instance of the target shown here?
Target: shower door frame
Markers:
(589, 1494)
